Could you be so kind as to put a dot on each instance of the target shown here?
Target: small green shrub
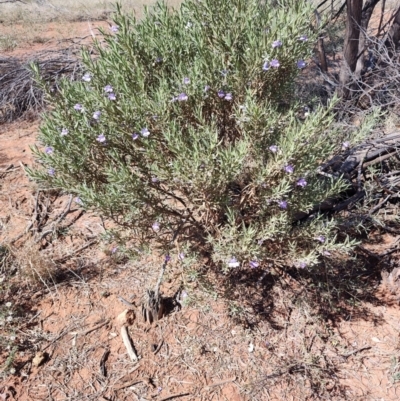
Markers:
(188, 117)
(8, 43)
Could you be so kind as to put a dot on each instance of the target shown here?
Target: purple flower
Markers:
(302, 265)
(114, 28)
(78, 107)
(186, 81)
(167, 258)
(345, 145)
(154, 179)
(221, 94)
(233, 262)
(108, 89)
(135, 136)
(206, 88)
(326, 253)
(87, 77)
(254, 264)
(155, 226)
(303, 38)
(78, 200)
(145, 132)
(184, 294)
(273, 148)
(49, 150)
(159, 59)
(266, 66)
(320, 238)
(301, 182)
(181, 256)
(224, 73)
(301, 64)
(112, 96)
(96, 115)
(283, 204)
(101, 138)
(228, 96)
(64, 132)
(275, 63)
(182, 97)
(289, 169)
(51, 171)
(276, 43)
(114, 249)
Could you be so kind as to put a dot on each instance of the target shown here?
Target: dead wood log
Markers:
(353, 165)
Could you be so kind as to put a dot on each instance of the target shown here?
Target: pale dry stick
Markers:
(94, 328)
(59, 219)
(122, 386)
(35, 212)
(128, 345)
(155, 352)
(379, 205)
(221, 383)
(124, 301)
(8, 169)
(133, 383)
(44, 281)
(62, 334)
(70, 255)
(392, 249)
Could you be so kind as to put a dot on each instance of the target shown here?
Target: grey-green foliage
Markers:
(198, 125)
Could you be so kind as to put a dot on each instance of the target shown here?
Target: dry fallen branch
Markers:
(353, 166)
(128, 344)
(19, 93)
(172, 396)
(221, 383)
(73, 253)
(356, 351)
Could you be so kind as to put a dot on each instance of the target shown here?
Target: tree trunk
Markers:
(350, 54)
(322, 55)
(393, 39)
(367, 11)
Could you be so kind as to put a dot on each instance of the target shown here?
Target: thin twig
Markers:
(124, 301)
(356, 351)
(172, 396)
(379, 205)
(73, 253)
(221, 383)
(103, 360)
(94, 328)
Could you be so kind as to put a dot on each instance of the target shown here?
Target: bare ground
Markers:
(330, 335)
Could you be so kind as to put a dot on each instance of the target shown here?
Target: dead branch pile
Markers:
(19, 93)
(383, 155)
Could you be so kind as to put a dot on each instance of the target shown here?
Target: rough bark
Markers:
(322, 55)
(350, 54)
(393, 38)
(367, 11)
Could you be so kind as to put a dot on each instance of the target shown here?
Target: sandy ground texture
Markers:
(329, 335)
(251, 338)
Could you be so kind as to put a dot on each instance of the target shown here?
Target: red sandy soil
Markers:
(228, 342)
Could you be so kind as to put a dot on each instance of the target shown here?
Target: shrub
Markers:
(188, 117)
